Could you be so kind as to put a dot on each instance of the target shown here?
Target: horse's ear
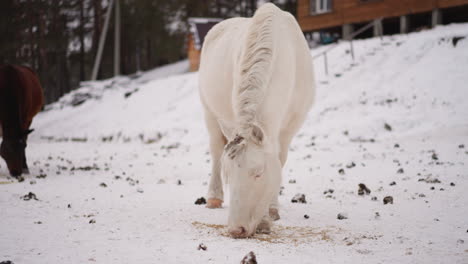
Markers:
(27, 132)
(235, 147)
(258, 136)
(226, 129)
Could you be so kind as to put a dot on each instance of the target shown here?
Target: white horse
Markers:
(256, 86)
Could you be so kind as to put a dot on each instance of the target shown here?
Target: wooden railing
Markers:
(376, 22)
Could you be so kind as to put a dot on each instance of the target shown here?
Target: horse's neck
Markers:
(10, 129)
(10, 101)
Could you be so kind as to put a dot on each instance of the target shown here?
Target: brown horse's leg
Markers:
(25, 164)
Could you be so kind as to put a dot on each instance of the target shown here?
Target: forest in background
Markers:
(59, 38)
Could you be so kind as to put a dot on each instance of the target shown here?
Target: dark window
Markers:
(320, 6)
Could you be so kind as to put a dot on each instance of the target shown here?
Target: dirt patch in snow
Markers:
(282, 234)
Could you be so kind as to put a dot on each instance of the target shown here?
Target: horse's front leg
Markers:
(273, 210)
(217, 142)
(283, 156)
(274, 204)
(265, 224)
(25, 164)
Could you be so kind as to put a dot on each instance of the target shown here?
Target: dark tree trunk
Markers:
(82, 48)
(32, 39)
(253, 6)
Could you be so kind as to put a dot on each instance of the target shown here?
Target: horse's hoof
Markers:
(214, 203)
(19, 178)
(274, 215)
(264, 227)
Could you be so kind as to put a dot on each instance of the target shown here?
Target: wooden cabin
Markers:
(199, 27)
(342, 17)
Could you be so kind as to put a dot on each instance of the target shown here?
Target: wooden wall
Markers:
(356, 11)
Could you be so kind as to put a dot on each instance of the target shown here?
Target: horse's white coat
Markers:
(256, 86)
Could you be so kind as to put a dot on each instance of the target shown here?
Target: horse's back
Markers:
(291, 84)
(33, 93)
(292, 78)
(217, 67)
(287, 75)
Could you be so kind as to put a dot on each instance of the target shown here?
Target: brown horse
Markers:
(21, 99)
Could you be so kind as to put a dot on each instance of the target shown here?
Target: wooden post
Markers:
(347, 30)
(117, 39)
(378, 28)
(404, 24)
(326, 62)
(102, 39)
(436, 17)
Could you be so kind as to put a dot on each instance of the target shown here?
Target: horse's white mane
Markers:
(254, 71)
(255, 67)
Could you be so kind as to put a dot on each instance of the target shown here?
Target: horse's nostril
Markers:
(238, 232)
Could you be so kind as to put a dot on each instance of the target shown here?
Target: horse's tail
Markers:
(255, 65)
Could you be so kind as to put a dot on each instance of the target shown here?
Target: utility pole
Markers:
(117, 39)
(102, 39)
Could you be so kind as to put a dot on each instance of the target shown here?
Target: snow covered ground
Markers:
(117, 175)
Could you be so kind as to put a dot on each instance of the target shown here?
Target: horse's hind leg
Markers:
(217, 142)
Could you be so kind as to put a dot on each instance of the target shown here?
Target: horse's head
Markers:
(253, 172)
(12, 151)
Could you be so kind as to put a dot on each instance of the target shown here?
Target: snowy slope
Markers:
(124, 168)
